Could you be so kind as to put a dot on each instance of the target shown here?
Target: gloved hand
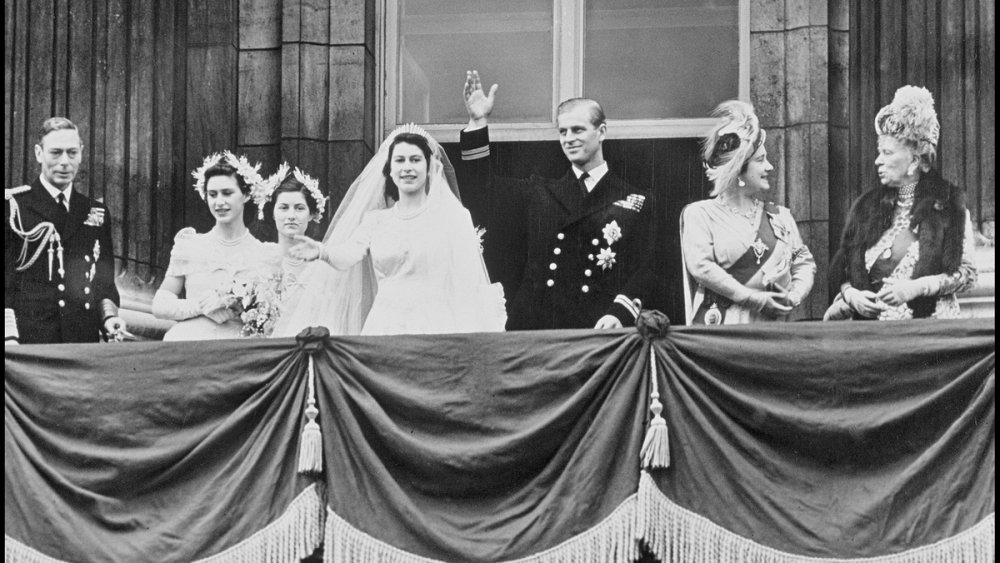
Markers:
(166, 305)
(898, 292)
(864, 303)
(768, 302)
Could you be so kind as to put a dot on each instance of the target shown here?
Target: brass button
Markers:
(557, 251)
(595, 242)
(62, 303)
(585, 288)
(550, 283)
(61, 287)
(587, 273)
(590, 257)
(553, 266)
(560, 236)
(86, 290)
(86, 306)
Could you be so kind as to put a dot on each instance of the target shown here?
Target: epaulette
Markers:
(9, 193)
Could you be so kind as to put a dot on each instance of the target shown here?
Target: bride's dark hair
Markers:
(419, 141)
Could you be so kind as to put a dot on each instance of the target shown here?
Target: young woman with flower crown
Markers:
(401, 255)
(204, 266)
(287, 203)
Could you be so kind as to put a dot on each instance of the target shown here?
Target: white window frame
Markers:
(567, 81)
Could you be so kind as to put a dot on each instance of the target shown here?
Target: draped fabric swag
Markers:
(789, 442)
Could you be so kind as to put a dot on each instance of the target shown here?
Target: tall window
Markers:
(657, 66)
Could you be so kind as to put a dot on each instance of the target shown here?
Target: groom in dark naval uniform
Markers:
(59, 270)
(573, 252)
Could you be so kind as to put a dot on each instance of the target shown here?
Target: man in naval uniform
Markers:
(59, 267)
(573, 252)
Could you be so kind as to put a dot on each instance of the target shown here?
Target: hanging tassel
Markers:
(311, 446)
(655, 453)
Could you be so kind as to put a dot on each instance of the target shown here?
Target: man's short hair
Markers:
(55, 124)
(597, 117)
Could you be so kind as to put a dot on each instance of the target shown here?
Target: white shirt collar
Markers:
(54, 191)
(593, 176)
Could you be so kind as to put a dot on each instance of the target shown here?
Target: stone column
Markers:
(790, 88)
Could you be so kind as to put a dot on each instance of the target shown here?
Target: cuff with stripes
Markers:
(10, 326)
(625, 310)
(475, 144)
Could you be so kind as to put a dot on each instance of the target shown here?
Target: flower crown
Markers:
(265, 190)
(250, 173)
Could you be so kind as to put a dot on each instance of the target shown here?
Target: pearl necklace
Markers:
(906, 195)
(232, 242)
(750, 215)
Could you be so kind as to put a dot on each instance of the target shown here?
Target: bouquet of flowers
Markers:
(257, 302)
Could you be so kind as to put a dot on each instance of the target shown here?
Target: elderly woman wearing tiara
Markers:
(204, 266)
(907, 246)
(744, 258)
(401, 255)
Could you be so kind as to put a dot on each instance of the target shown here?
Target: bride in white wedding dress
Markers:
(401, 255)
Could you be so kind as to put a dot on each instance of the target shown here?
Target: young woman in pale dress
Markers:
(289, 202)
(203, 266)
(401, 257)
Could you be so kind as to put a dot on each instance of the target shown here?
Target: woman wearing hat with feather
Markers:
(907, 247)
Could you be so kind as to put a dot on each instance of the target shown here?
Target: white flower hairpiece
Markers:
(249, 172)
(312, 184)
(262, 194)
(265, 190)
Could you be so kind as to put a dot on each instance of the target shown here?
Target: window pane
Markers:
(661, 58)
(509, 42)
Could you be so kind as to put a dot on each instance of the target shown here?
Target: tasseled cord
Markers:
(655, 453)
(311, 446)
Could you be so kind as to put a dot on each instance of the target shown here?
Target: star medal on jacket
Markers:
(606, 257)
(759, 248)
(93, 265)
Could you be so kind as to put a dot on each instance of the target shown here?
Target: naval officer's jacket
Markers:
(69, 290)
(566, 258)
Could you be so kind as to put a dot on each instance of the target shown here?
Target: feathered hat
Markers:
(731, 143)
(911, 118)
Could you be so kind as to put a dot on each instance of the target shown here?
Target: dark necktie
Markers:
(63, 213)
(583, 184)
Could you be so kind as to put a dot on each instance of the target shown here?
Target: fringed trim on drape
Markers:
(611, 540)
(295, 535)
(675, 534)
(343, 543)
(16, 552)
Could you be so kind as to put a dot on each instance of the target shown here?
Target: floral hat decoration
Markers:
(265, 190)
(249, 172)
(911, 117)
(732, 142)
